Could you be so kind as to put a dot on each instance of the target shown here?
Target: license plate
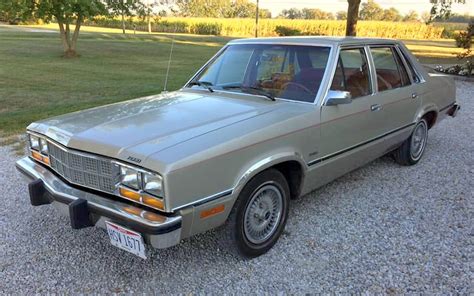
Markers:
(126, 239)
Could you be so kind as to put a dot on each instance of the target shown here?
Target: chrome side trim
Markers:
(327, 157)
(447, 107)
(249, 173)
(206, 199)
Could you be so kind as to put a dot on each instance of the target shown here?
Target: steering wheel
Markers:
(298, 85)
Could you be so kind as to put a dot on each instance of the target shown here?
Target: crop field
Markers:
(246, 27)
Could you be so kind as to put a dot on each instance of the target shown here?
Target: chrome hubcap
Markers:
(418, 140)
(263, 214)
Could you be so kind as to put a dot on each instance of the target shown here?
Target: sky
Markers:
(404, 6)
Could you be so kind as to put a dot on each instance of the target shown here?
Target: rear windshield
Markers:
(285, 71)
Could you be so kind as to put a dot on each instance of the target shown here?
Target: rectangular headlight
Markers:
(141, 186)
(43, 146)
(34, 142)
(130, 177)
(153, 184)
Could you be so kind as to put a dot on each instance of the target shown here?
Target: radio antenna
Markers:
(165, 87)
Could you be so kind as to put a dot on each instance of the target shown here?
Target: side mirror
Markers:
(337, 97)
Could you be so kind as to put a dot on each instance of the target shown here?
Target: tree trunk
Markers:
(352, 17)
(69, 42)
(123, 22)
(149, 23)
(62, 33)
(256, 20)
(75, 35)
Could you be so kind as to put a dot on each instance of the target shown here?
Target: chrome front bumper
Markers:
(88, 209)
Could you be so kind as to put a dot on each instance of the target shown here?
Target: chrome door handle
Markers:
(375, 107)
(414, 95)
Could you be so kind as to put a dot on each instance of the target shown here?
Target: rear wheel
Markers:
(259, 215)
(411, 151)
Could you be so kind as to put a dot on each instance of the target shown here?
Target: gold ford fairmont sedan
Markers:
(263, 122)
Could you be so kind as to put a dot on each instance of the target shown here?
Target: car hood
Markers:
(151, 124)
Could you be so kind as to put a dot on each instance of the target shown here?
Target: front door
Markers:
(348, 125)
(347, 128)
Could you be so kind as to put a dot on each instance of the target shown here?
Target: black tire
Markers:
(406, 154)
(233, 237)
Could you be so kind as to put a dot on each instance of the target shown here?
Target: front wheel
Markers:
(411, 151)
(259, 215)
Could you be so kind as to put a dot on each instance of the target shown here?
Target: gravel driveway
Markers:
(381, 229)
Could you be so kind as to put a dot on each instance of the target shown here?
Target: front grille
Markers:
(82, 169)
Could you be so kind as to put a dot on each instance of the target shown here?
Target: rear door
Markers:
(396, 95)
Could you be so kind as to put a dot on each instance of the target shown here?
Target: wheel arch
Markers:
(430, 113)
(290, 164)
(431, 118)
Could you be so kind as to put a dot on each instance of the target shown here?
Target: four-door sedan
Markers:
(263, 122)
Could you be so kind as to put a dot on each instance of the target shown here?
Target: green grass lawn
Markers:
(36, 83)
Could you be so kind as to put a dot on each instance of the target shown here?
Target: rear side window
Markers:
(412, 71)
(391, 72)
(352, 73)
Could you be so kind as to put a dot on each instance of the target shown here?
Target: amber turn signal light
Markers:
(129, 194)
(212, 211)
(46, 160)
(153, 202)
(38, 156)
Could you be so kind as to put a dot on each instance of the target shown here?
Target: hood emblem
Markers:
(134, 159)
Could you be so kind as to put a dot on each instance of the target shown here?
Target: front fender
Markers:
(265, 162)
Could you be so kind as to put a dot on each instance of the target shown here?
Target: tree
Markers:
(464, 40)
(122, 8)
(441, 9)
(391, 14)
(245, 9)
(292, 13)
(67, 13)
(426, 17)
(341, 15)
(13, 11)
(371, 11)
(411, 16)
(316, 14)
(203, 8)
(147, 10)
(352, 17)
(264, 13)
(460, 18)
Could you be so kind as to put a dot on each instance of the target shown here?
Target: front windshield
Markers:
(284, 71)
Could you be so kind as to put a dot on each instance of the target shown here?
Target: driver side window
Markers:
(352, 73)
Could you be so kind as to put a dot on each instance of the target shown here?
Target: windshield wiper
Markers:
(252, 90)
(206, 84)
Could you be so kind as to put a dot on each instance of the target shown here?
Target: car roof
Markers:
(314, 40)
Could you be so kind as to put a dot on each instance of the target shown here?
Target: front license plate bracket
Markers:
(126, 239)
